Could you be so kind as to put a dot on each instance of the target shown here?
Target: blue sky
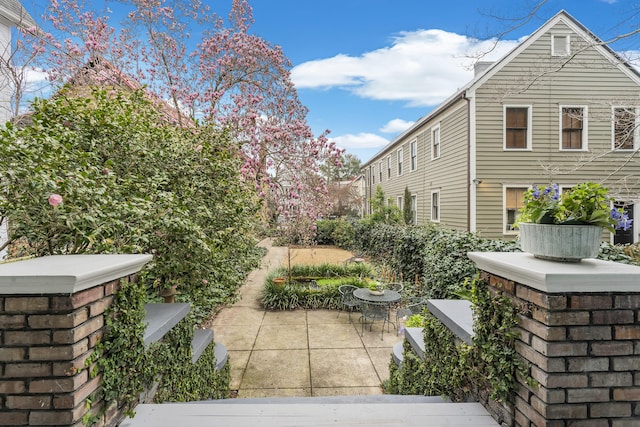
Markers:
(367, 69)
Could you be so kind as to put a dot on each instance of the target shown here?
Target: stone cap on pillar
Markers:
(66, 274)
(588, 275)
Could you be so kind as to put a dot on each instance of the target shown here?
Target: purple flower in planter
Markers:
(623, 221)
(536, 192)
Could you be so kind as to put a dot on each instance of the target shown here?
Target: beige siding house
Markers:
(561, 107)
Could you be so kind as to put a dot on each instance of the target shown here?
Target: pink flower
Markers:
(199, 148)
(205, 281)
(55, 199)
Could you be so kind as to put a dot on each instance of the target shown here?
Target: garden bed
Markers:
(311, 286)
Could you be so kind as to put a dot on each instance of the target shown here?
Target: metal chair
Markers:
(410, 307)
(374, 311)
(395, 286)
(348, 300)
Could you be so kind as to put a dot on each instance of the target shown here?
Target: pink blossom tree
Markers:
(230, 78)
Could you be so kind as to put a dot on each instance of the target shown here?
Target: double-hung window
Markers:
(414, 209)
(399, 202)
(388, 167)
(373, 174)
(435, 206)
(435, 142)
(573, 128)
(380, 169)
(400, 160)
(625, 128)
(513, 201)
(414, 154)
(517, 127)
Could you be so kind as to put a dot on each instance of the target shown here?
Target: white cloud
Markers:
(421, 68)
(396, 126)
(361, 140)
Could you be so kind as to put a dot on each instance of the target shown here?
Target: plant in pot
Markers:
(375, 287)
(567, 227)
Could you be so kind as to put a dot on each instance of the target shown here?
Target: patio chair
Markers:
(374, 311)
(395, 286)
(348, 300)
(411, 306)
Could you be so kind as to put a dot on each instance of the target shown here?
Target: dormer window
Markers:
(560, 45)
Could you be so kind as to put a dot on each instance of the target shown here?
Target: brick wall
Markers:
(584, 351)
(44, 342)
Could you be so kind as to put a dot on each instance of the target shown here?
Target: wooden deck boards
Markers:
(312, 414)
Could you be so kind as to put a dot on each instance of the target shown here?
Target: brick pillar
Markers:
(580, 333)
(51, 316)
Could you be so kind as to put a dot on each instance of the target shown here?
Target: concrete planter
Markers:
(565, 243)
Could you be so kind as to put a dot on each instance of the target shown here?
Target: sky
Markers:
(368, 69)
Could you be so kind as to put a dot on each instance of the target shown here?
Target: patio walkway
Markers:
(299, 353)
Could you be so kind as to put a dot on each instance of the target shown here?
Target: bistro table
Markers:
(389, 296)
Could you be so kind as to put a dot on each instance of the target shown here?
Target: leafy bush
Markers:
(130, 183)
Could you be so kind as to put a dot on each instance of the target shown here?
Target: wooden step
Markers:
(457, 315)
(160, 318)
(201, 339)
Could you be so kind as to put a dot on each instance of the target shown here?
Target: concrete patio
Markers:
(299, 353)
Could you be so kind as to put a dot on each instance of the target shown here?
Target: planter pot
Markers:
(280, 280)
(565, 243)
(375, 292)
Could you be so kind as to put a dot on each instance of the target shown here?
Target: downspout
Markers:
(469, 178)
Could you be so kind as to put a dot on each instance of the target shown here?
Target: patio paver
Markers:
(302, 352)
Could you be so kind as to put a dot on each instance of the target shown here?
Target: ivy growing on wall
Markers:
(458, 371)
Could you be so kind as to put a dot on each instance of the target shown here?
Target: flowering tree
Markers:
(230, 79)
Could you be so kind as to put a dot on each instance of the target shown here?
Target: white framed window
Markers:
(517, 127)
(513, 200)
(414, 154)
(560, 45)
(624, 128)
(380, 169)
(573, 127)
(388, 167)
(435, 142)
(400, 202)
(414, 209)
(435, 206)
(400, 160)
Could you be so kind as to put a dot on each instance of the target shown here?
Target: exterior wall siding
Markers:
(588, 80)
(447, 173)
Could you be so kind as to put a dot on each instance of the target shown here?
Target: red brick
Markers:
(610, 379)
(87, 296)
(628, 332)
(587, 364)
(59, 385)
(551, 302)
(626, 363)
(64, 352)
(581, 395)
(557, 380)
(589, 333)
(67, 369)
(114, 286)
(27, 338)
(502, 284)
(14, 418)
(26, 304)
(28, 402)
(12, 354)
(50, 418)
(612, 317)
(550, 396)
(71, 400)
(70, 336)
(521, 419)
(556, 349)
(27, 370)
(562, 318)
(541, 330)
(586, 301)
(627, 301)
(631, 393)
(12, 387)
(58, 321)
(12, 321)
(535, 417)
(610, 410)
(99, 307)
(611, 348)
(547, 364)
(563, 412)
